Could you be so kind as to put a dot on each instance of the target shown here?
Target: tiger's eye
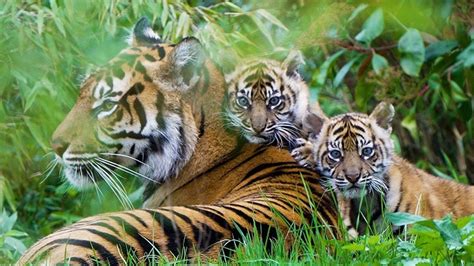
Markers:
(274, 101)
(367, 151)
(242, 101)
(335, 154)
(107, 106)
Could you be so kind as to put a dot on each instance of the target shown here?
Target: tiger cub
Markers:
(354, 154)
(267, 99)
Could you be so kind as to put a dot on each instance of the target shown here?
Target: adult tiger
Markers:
(161, 104)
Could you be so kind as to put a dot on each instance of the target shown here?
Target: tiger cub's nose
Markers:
(352, 176)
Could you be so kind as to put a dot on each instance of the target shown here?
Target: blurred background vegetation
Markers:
(417, 54)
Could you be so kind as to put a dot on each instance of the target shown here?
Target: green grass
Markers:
(46, 47)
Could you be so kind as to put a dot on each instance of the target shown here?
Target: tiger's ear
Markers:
(293, 62)
(143, 34)
(183, 62)
(383, 115)
(313, 122)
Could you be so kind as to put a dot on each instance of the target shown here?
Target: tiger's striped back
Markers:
(272, 183)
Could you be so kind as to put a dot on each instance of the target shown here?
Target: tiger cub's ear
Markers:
(293, 62)
(143, 34)
(383, 115)
(313, 122)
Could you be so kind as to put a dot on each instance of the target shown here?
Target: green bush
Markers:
(417, 54)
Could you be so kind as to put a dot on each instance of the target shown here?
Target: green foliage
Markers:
(438, 241)
(11, 243)
(419, 55)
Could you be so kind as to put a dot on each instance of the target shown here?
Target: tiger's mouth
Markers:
(84, 170)
(366, 184)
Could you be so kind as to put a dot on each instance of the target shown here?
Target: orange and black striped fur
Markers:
(161, 104)
(353, 152)
(267, 99)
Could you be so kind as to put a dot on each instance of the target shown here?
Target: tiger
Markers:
(267, 99)
(354, 154)
(158, 107)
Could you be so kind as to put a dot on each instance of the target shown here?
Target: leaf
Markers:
(378, 63)
(16, 244)
(450, 233)
(467, 56)
(354, 247)
(412, 52)
(323, 70)
(7, 222)
(357, 11)
(164, 13)
(182, 22)
(262, 29)
(6, 193)
(403, 218)
(271, 18)
(439, 48)
(409, 122)
(457, 93)
(372, 240)
(434, 81)
(467, 225)
(343, 72)
(37, 131)
(372, 27)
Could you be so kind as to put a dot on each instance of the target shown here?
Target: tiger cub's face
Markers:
(352, 151)
(131, 112)
(267, 99)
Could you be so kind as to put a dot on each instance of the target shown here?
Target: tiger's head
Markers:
(352, 151)
(136, 110)
(267, 99)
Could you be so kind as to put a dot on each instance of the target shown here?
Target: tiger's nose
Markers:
(352, 177)
(59, 146)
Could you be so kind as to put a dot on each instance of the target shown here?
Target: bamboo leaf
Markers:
(271, 18)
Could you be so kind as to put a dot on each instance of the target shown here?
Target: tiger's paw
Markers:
(303, 153)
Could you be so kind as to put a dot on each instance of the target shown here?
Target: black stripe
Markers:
(147, 245)
(108, 226)
(161, 51)
(105, 255)
(265, 166)
(176, 237)
(150, 58)
(214, 217)
(204, 235)
(81, 261)
(140, 68)
(202, 125)
(141, 113)
(124, 248)
(274, 174)
(140, 220)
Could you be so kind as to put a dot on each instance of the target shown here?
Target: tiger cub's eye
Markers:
(367, 151)
(335, 154)
(274, 101)
(242, 101)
